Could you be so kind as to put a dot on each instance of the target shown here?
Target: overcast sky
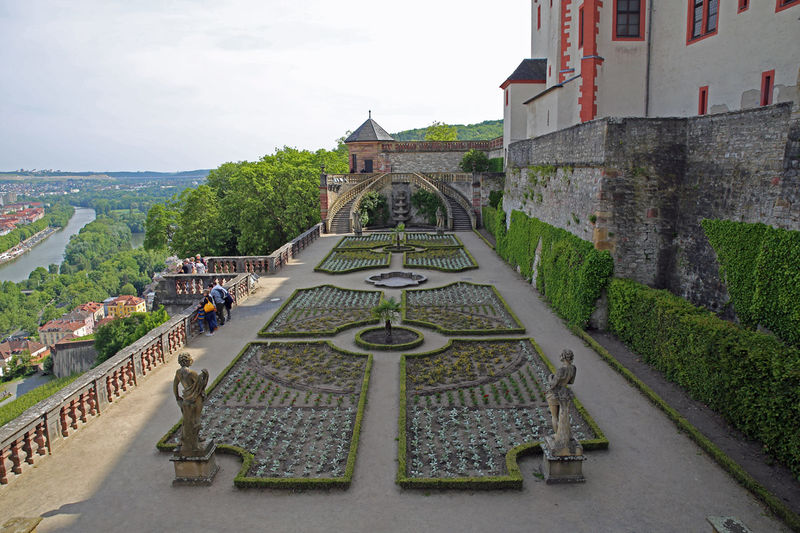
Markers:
(175, 85)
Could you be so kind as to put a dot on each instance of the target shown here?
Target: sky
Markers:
(168, 85)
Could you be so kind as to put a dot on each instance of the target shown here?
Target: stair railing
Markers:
(453, 193)
(423, 183)
(345, 197)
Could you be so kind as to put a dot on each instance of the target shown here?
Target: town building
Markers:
(53, 331)
(16, 347)
(125, 305)
(639, 58)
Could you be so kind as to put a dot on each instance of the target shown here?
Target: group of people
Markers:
(193, 265)
(213, 308)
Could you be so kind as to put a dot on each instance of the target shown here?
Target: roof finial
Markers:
(370, 113)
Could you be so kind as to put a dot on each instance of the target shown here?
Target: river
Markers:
(50, 251)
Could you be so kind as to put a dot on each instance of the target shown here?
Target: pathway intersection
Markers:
(109, 477)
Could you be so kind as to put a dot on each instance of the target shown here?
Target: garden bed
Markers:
(448, 259)
(433, 240)
(460, 308)
(291, 410)
(469, 409)
(402, 339)
(364, 242)
(322, 311)
(342, 261)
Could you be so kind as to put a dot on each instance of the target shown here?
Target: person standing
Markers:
(220, 294)
(209, 308)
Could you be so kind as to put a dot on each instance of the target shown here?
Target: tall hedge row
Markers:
(752, 379)
(571, 273)
(760, 267)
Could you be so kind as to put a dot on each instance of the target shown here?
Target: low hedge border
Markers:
(325, 333)
(473, 266)
(514, 478)
(386, 347)
(484, 239)
(459, 243)
(386, 263)
(772, 502)
(242, 481)
(370, 246)
(431, 325)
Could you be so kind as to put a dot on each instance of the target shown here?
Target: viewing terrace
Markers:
(90, 462)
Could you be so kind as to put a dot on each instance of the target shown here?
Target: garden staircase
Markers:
(461, 220)
(340, 223)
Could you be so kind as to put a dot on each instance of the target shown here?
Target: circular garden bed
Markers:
(402, 339)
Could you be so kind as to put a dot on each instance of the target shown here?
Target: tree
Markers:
(200, 226)
(19, 365)
(374, 209)
(474, 161)
(427, 203)
(439, 131)
(159, 226)
(387, 310)
(128, 289)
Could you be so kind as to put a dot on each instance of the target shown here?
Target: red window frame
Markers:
(702, 103)
(539, 17)
(704, 32)
(767, 87)
(744, 4)
(780, 5)
(506, 97)
(642, 13)
(580, 26)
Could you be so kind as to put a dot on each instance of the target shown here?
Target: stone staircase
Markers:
(341, 220)
(461, 221)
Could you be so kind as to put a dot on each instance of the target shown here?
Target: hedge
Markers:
(361, 343)
(751, 379)
(16, 407)
(760, 267)
(571, 273)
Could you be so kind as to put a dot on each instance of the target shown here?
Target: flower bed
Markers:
(432, 240)
(372, 240)
(322, 311)
(445, 259)
(340, 261)
(291, 410)
(460, 308)
(404, 338)
(469, 409)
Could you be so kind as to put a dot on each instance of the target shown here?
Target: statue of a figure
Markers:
(559, 398)
(191, 404)
(439, 218)
(357, 223)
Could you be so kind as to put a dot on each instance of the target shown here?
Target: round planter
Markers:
(374, 339)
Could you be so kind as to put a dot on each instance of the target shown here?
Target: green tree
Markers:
(199, 228)
(19, 365)
(427, 203)
(387, 310)
(374, 209)
(474, 161)
(439, 131)
(128, 289)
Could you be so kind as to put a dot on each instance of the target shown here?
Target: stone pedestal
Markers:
(196, 470)
(564, 464)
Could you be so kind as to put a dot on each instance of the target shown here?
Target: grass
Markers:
(13, 409)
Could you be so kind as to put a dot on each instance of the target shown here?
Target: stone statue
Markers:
(191, 404)
(357, 223)
(558, 400)
(439, 218)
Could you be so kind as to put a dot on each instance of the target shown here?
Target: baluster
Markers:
(108, 389)
(131, 373)
(122, 379)
(115, 382)
(3, 472)
(73, 415)
(92, 400)
(16, 467)
(82, 407)
(39, 439)
(26, 447)
(63, 418)
(144, 364)
(160, 351)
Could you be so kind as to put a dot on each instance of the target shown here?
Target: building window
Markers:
(767, 85)
(743, 5)
(702, 105)
(580, 27)
(783, 4)
(702, 19)
(506, 97)
(539, 17)
(628, 20)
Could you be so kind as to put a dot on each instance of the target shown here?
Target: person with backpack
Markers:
(221, 296)
(209, 309)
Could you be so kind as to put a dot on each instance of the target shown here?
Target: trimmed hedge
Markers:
(571, 273)
(760, 267)
(361, 343)
(732, 467)
(751, 379)
(17, 406)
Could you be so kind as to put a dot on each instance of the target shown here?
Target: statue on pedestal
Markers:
(191, 404)
(559, 398)
(439, 220)
(357, 223)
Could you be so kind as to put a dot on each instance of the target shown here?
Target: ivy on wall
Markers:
(751, 379)
(760, 267)
(571, 273)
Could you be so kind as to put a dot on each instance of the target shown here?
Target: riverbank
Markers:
(26, 245)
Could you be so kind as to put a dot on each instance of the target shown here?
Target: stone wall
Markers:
(424, 161)
(73, 357)
(640, 187)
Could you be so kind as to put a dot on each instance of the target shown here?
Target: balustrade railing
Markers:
(38, 430)
(348, 195)
(420, 181)
(453, 193)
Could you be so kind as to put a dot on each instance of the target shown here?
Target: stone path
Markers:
(109, 476)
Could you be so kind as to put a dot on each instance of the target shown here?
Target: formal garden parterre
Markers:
(469, 409)
(342, 261)
(448, 259)
(291, 410)
(322, 311)
(433, 240)
(461, 308)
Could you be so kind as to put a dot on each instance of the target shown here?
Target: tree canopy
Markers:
(439, 131)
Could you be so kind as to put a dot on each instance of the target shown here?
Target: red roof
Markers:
(14, 347)
(128, 299)
(58, 325)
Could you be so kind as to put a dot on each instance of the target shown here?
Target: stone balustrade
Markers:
(41, 429)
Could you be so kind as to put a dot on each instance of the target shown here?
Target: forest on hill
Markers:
(482, 131)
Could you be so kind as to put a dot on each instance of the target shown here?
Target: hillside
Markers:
(488, 129)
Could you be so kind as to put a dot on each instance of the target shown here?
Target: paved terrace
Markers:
(109, 476)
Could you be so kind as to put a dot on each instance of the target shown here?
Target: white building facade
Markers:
(646, 58)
